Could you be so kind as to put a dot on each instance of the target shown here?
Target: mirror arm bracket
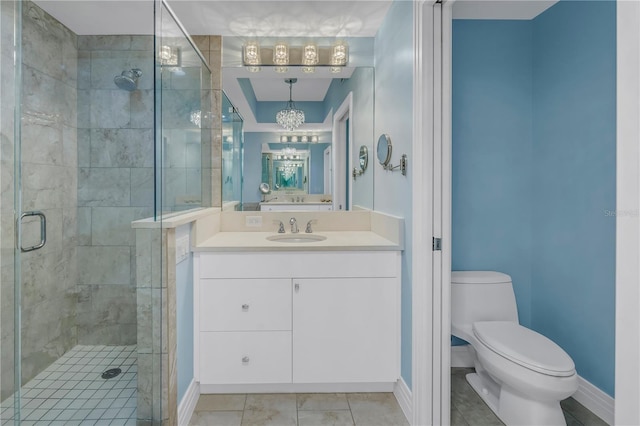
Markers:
(402, 166)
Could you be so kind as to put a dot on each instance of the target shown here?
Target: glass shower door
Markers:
(9, 259)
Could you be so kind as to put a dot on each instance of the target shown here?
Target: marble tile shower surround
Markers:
(211, 48)
(49, 169)
(115, 183)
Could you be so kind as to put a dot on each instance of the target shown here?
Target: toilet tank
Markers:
(480, 296)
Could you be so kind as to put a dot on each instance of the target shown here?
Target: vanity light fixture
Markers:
(298, 138)
(281, 55)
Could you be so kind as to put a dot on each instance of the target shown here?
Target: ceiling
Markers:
(266, 18)
(254, 18)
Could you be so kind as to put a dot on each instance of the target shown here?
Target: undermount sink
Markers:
(296, 238)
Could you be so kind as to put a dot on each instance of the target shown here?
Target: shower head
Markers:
(128, 80)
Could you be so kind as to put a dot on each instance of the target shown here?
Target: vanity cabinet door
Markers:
(345, 330)
(245, 304)
(245, 357)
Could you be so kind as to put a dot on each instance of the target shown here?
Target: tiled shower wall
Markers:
(49, 179)
(115, 182)
(211, 49)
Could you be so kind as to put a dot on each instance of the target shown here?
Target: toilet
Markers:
(520, 374)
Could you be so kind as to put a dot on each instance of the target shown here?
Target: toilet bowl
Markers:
(520, 374)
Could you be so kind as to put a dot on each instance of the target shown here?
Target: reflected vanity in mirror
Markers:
(336, 136)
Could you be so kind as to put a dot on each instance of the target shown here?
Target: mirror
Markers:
(339, 117)
(363, 160)
(384, 150)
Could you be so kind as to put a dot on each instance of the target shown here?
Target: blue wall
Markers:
(361, 85)
(492, 151)
(574, 94)
(394, 116)
(534, 170)
(184, 317)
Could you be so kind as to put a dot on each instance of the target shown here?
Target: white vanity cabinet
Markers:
(295, 320)
(344, 330)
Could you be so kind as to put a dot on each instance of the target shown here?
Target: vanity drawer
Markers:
(245, 357)
(245, 304)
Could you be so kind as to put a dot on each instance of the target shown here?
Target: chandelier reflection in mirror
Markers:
(290, 118)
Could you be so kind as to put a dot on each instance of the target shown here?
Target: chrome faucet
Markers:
(294, 225)
(308, 230)
(280, 227)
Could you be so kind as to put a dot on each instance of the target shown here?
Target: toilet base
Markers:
(514, 409)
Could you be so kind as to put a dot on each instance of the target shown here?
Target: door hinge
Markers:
(437, 244)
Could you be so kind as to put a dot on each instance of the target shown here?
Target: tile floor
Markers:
(354, 409)
(468, 409)
(71, 391)
(336, 409)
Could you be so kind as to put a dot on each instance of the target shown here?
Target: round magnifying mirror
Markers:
(364, 158)
(383, 149)
(264, 188)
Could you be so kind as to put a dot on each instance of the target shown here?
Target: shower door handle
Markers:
(43, 230)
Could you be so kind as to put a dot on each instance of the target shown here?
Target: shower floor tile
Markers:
(72, 391)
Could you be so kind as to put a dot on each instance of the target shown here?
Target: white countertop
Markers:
(297, 203)
(336, 241)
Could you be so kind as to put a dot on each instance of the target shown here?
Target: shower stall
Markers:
(96, 132)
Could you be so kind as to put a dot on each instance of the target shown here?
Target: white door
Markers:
(327, 171)
(432, 201)
(345, 330)
(341, 159)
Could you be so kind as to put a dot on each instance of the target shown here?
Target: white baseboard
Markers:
(597, 401)
(188, 403)
(298, 387)
(460, 356)
(403, 396)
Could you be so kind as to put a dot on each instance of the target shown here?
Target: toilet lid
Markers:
(524, 347)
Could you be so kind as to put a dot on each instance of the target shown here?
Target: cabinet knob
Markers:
(245, 359)
(245, 307)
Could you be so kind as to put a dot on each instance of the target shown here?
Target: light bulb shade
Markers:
(169, 56)
(281, 54)
(310, 54)
(251, 53)
(339, 54)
